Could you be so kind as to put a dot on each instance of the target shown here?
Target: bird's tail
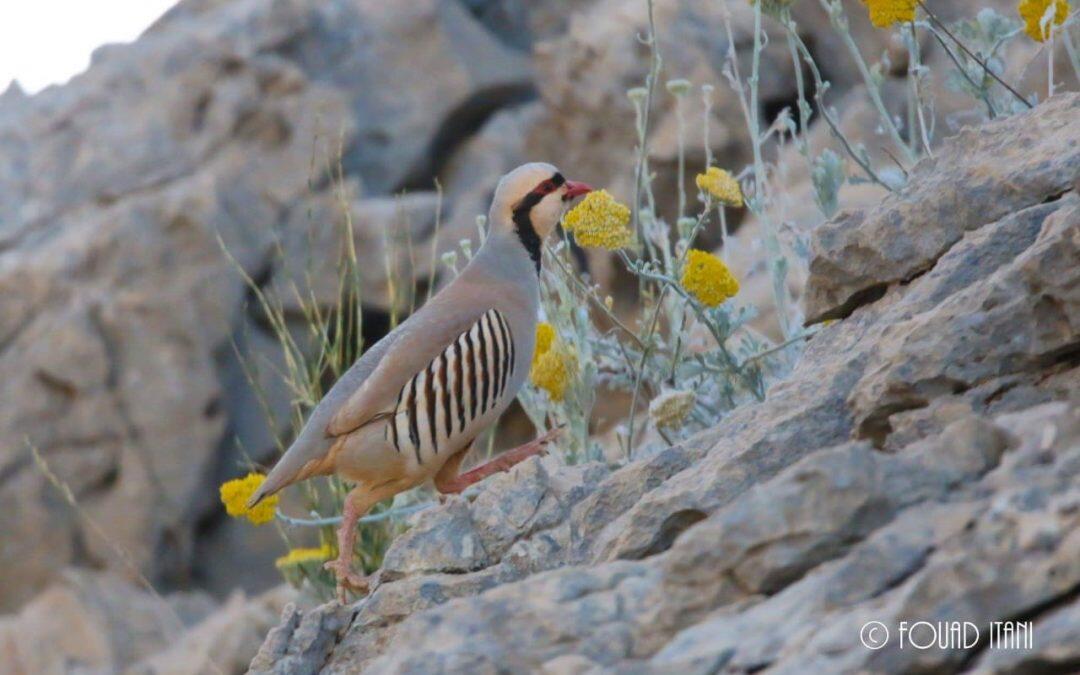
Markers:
(304, 459)
(265, 490)
(281, 476)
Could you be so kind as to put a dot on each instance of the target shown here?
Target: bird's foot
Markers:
(537, 446)
(347, 579)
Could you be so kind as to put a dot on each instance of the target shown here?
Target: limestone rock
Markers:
(978, 176)
(99, 622)
(303, 640)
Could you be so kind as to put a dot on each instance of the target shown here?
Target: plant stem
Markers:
(839, 21)
(725, 355)
(983, 95)
(640, 371)
(1050, 65)
(913, 73)
(591, 294)
(323, 521)
(820, 86)
(640, 170)
(772, 242)
(971, 54)
(775, 348)
(435, 238)
(679, 115)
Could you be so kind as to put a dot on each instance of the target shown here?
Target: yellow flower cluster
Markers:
(1033, 11)
(884, 13)
(236, 493)
(299, 556)
(721, 185)
(553, 364)
(600, 222)
(707, 278)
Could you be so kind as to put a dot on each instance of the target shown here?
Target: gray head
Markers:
(529, 202)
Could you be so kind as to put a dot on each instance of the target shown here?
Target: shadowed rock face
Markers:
(922, 462)
(220, 127)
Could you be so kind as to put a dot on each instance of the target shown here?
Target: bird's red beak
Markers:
(575, 189)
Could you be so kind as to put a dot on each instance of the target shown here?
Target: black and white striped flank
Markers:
(469, 378)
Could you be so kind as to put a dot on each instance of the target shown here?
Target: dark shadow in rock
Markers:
(457, 127)
(672, 527)
(857, 300)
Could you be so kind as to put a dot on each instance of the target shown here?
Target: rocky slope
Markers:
(922, 463)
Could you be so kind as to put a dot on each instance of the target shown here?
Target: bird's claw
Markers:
(347, 579)
(549, 437)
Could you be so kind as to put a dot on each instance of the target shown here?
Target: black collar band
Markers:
(522, 216)
(524, 228)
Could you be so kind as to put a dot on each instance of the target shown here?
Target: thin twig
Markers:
(839, 21)
(569, 274)
(895, 160)
(913, 73)
(643, 130)
(435, 238)
(640, 373)
(775, 348)
(323, 521)
(971, 54)
(820, 86)
(963, 71)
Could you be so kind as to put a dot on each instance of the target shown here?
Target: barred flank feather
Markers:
(463, 382)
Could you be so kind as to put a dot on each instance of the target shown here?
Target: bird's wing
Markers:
(371, 385)
(422, 339)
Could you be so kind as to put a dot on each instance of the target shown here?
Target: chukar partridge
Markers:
(410, 408)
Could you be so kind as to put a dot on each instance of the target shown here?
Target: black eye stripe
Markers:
(547, 187)
(522, 223)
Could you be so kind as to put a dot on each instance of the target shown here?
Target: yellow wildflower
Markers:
(721, 185)
(600, 222)
(707, 278)
(236, 493)
(671, 407)
(884, 13)
(299, 556)
(553, 363)
(545, 337)
(1033, 11)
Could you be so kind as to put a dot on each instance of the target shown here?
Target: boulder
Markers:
(99, 622)
(977, 177)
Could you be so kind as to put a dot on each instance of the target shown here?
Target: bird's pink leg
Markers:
(452, 484)
(358, 502)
